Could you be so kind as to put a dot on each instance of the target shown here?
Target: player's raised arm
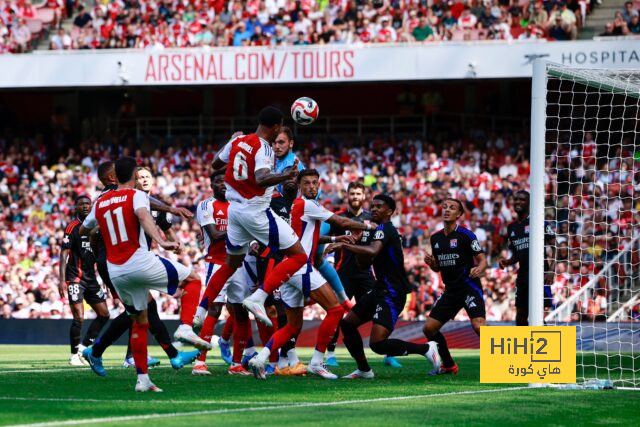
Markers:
(222, 157)
(160, 206)
(266, 178)
(349, 224)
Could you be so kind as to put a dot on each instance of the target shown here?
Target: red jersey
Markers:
(213, 212)
(245, 155)
(115, 213)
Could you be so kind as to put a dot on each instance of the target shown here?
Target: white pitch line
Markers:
(254, 409)
(80, 400)
(70, 369)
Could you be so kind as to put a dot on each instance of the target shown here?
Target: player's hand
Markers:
(237, 134)
(357, 235)
(503, 263)
(62, 290)
(347, 238)
(254, 248)
(170, 246)
(430, 260)
(476, 272)
(293, 172)
(181, 212)
(333, 247)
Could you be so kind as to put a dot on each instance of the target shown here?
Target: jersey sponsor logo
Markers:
(447, 260)
(378, 310)
(475, 245)
(453, 243)
(379, 235)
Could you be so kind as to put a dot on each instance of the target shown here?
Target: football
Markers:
(305, 111)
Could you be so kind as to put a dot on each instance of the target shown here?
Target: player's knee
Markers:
(345, 325)
(477, 324)
(428, 330)
(77, 322)
(271, 311)
(102, 320)
(379, 347)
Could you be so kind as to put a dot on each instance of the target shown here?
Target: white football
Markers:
(305, 111)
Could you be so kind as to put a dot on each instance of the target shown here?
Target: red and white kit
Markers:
(133, 268)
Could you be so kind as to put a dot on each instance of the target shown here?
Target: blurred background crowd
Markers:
(160, 24)
(39, 179)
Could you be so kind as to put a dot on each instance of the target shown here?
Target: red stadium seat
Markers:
(35, 26)
(45, 15)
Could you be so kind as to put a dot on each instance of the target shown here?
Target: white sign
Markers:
(315, 64)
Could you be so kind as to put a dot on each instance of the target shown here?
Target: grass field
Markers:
(37, 387)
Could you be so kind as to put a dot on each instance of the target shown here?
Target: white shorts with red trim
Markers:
(297, 290)
(246, 224)
(159, 273)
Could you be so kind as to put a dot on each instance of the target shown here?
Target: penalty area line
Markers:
(270, 408)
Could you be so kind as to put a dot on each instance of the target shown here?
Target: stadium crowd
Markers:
(159, 24)
(38, 183)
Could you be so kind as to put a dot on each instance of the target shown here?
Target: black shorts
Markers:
(91, 292)
(381, 309)
(103, 271)
(451, 301)
(522, 294)
(357, 286)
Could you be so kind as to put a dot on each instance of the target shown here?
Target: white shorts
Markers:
(243, 281)
(295, 292)
(246, 224)
(211, 269)
(159, 273)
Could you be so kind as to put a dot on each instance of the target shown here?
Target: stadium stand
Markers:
(39, 178)
(152, 24)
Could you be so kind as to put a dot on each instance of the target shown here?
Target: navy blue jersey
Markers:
(346, 263)
(81, 259)
(454, 254)
(518, 236)
(388, 265)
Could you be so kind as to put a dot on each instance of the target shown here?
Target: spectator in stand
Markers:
(628, 12)
(27, 10)
(423, 32)
(634, 25)
(608, 30)
(540, 16)
(83, 19)
(22, 35)
(61, 41)
(558, 30)
(619, 25)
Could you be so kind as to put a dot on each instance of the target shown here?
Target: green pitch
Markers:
(37, 387)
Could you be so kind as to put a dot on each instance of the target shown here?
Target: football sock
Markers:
(283, 272)
(328, 328)
(332, 345)
(331, 276)
(129, 353)
(95, 327)
(250, 348)
(206, 333)
(139, 346)
(228, 328)
(353, 342)
(443, 349)
(317, 358)
(292, 355)
(395, 347)
(189, 301)
(240, 336)
(159, 330)
(215, 285)
(74, 335)
(116, 329)
(280, 338)
(266, 332)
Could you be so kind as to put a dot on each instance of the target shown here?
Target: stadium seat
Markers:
(45, 15)
(35, 26)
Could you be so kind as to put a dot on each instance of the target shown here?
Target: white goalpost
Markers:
(585, 185)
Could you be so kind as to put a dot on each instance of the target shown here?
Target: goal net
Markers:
(586, 187)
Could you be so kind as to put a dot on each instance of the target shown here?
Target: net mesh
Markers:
(592, 164)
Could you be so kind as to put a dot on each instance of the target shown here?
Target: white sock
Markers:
(264, 354)
(249, 351)
(222, 340)
(293, 357)
(144, 378)
(329, 354)
(201, 312)
(259, 296)
(272, 364)
(283, 362)
(342, 296)
(317, 358)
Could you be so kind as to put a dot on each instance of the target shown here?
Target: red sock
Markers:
(283, 272)
(240, 337)
(189, 301)
(216, 283)
(328, 327)
(206, 333)
(281, 337)
(139, 346)
(228, 328)
(265, 335)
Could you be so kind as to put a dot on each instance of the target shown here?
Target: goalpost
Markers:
(585, 184)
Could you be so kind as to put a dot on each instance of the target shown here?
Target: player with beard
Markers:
(356, 280)
(78, 279)
(518, 236)
(456, 254)
(119, 325)
(382, 304)
(306, 217)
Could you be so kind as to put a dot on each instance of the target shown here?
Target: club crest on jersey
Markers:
(379, 235)
(453, 243)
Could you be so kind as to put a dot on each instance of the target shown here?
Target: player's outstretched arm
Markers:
(264, 177)
(149, 227)
(371, 250)
(158, 205)
(431, 261)
(349, 224)
(213, 233)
